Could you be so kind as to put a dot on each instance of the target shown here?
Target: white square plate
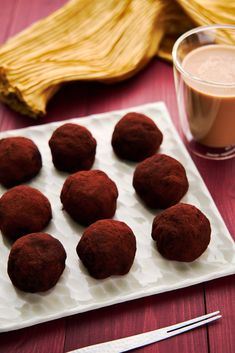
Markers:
(76, 291)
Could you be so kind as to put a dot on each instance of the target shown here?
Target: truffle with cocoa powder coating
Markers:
(73, 148)
(88, 196)
(182, 232)
(20, 160)
(136, 137)
(23, 210)
(107, 248)
(36, 262)
(160, 181)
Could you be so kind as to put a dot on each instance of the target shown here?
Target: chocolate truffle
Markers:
(20, 160)
(107, 248)
(73, 148)
(160, 181)
(182, 232)
(36, 262)
(88, 196)
(136, 137)
(23, 210)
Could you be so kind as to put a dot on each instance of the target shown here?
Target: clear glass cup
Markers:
(204, 72)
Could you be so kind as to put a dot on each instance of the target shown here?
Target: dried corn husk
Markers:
(104, 40)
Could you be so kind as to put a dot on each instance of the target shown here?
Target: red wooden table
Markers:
(154, 83)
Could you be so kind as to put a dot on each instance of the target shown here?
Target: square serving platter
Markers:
(150, 274)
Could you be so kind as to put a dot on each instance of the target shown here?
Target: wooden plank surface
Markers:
(154, 83)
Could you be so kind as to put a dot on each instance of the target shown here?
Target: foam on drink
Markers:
(209, 94)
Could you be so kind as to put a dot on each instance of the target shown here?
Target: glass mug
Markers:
(204, 72)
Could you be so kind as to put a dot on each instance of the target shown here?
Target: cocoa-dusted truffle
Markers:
(107, 248)
(160, 181)
(89, 196)
(182, 232)
(73, 148)
(20, 160)
(136, 137)
(23, 210)
(36, 262)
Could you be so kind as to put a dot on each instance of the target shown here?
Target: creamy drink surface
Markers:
(209, 94)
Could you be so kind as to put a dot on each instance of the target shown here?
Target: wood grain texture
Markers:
(140, 316)
(221, 294)
(154, 83)
(43, 338)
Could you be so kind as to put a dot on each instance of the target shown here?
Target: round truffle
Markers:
(73, 148)
(23, 210)
(160, 181)
(182, 232)
(88, 196)
(36, 262)
(107, 248)
(20, 160)
(136, 137)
